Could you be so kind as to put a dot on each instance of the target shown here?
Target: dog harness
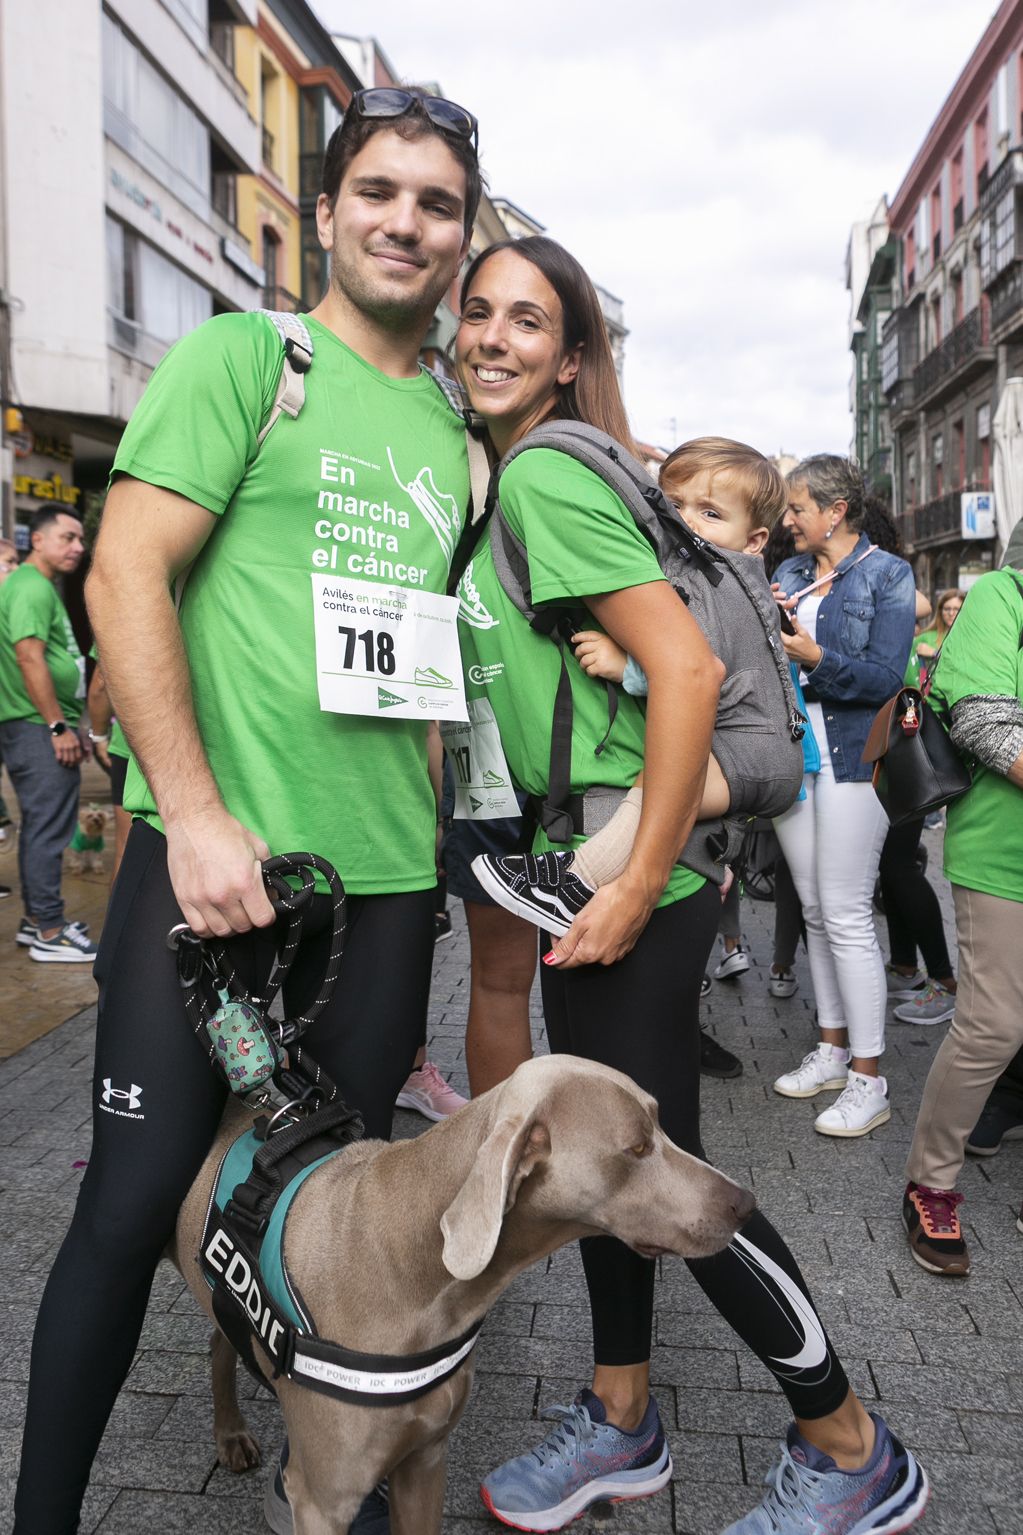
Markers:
(256, 1298)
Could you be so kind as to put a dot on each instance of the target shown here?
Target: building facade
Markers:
(955, 332)
(118, 168)
(869, 280)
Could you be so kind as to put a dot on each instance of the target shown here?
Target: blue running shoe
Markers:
(807, 1494)
(373, 1517)
(581, 1461)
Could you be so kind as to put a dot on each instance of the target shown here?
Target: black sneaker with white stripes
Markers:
(540, 887)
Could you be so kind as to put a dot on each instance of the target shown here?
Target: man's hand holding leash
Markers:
(214, 866)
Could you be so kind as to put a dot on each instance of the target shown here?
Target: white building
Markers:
(122, 131)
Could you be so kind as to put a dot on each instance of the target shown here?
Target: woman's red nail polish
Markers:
(550, 958)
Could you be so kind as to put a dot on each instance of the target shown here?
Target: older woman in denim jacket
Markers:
(852, 609)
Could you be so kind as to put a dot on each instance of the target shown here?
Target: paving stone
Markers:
(177, 1514)
(157, 1465)
(919, 1383)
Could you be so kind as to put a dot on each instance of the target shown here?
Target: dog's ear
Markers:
(472, 1222)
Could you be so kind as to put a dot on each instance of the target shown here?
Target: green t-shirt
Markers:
(981, 654)
(351, 486)
(580, 540)
(31, 609)
(912, 676)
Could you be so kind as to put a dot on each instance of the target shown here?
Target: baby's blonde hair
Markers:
(761, 484)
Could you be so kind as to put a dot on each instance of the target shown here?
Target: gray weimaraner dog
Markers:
(399, 1247)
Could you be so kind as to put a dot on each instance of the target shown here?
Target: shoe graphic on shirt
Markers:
(440, 510)
(492, 780)
(430, 677)
(470, 606)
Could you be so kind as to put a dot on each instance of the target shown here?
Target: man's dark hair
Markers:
(356, 131)
(43, 515)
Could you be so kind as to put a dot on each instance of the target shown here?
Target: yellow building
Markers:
(298, 85)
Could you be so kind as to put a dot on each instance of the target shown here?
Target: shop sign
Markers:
(54, 488)
(978, 514)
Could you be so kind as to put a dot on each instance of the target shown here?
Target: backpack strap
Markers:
(475, 442)
(298, 359)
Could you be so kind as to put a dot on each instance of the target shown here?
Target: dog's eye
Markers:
(642, 1149)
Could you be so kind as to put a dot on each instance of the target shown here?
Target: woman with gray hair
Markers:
(851, 607)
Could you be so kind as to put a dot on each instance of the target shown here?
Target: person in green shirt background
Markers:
(42, 691)
(8, 562)
(980, 684)
(927, 644)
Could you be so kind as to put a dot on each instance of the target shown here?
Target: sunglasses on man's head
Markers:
(389, 101)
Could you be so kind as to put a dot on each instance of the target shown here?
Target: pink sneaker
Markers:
(427, 1092)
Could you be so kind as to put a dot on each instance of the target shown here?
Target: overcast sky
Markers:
(704, 161)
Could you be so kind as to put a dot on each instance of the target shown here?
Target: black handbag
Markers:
(916, 767)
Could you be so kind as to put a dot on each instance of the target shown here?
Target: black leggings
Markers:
(145, 1157)
(641, 1016)
(911, 905)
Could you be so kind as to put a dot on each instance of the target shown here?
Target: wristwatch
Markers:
(59, 728)
(99, 740)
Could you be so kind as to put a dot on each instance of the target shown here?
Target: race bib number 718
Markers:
(386, 650)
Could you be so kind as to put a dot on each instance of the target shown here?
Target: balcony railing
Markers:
(968, 344)
(1006, 295)
(280, 298)
(940, 520)
(1008, 174)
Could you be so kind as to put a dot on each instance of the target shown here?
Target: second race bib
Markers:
(483, 786)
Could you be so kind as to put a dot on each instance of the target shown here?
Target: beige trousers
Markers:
(985, 1034)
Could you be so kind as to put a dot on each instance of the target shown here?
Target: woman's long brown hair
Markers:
(593, 395)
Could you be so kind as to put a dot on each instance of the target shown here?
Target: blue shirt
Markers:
(865, 629)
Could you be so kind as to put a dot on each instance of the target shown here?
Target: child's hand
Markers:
(599, 656)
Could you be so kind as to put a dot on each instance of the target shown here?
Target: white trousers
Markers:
(832, 843)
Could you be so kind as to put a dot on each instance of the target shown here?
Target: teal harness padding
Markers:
(234, 1169)
(255, 1300)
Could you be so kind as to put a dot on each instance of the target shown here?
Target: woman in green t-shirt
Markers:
(927, 644)
(623, 986)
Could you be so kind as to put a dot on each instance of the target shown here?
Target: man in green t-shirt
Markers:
(283, 706)
(42, 686)
(980, 683)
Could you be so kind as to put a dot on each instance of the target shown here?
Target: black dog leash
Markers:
(246, 1047)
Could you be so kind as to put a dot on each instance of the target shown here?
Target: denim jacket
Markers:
(865, 629)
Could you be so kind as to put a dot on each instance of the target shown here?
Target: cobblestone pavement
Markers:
(941, 1358)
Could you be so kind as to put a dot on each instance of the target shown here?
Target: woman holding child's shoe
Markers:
(623, 987)
(852, 612)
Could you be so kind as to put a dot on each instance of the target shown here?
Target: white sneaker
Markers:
(822, 1071)
(858, 1110)
(782, 983)
(733, 962)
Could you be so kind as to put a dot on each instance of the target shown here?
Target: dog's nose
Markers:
(743, 1205)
